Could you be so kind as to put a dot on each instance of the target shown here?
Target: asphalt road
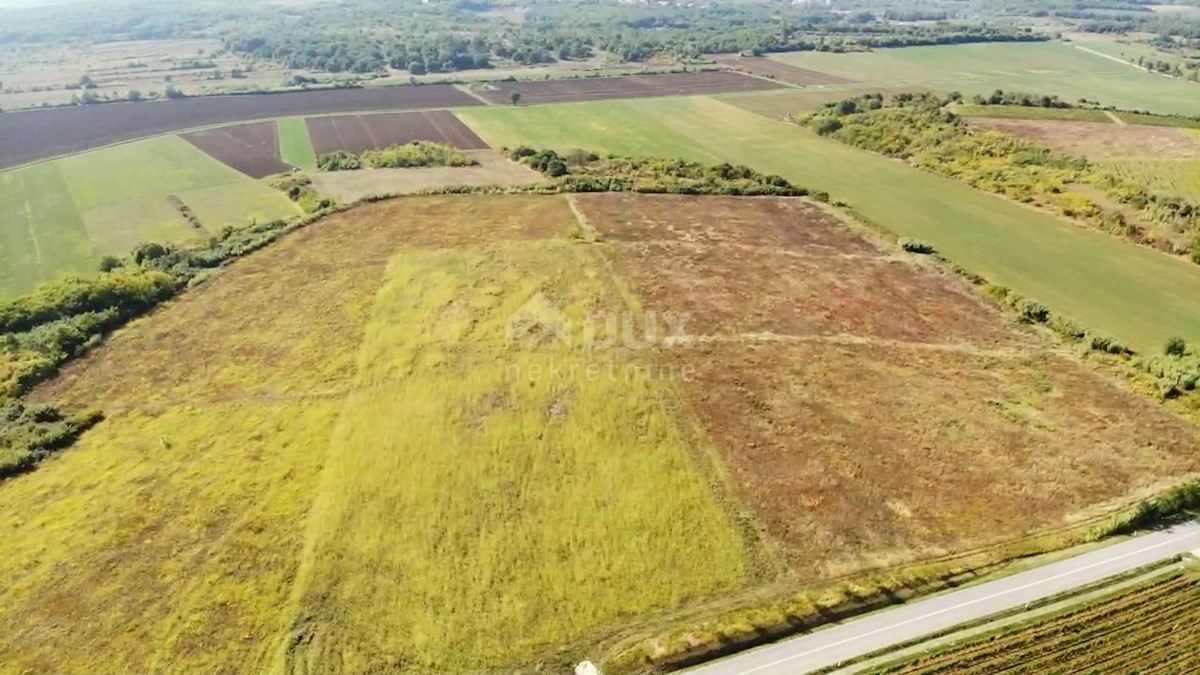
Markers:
(888, 628)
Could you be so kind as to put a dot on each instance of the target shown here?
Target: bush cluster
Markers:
(30, 433)
(585, 172)
(408, 155)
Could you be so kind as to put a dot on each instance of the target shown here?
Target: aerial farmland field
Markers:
(1148, 298)
(356, 133)
(1039, 67)
(579, 492)
(1149, 629)
(38, 134)
(78, 208)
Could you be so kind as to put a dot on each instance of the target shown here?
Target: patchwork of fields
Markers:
(1146, 298)
(1035, 67)
(61, 216)
(397, 444)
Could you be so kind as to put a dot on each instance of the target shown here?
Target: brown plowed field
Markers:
(780, 71)
(628, 86)
(252, 148)
(872, 410)
(40, 134)
(356, 133)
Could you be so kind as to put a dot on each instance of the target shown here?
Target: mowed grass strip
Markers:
(1035, 67)
(478, 515)
(295, 146)
(42, 236)
(1142, 296)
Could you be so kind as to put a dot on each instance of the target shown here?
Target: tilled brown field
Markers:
(871, 410)
(40, 134)
(628, 86)
(252, 148)
(356, 133)
(780, 71)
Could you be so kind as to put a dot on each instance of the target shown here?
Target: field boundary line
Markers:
(747, 73)
(1116, 120)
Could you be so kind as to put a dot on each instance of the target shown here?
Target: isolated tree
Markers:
(1175, 347)
(515, 97)
(134, 95)
(109, 263)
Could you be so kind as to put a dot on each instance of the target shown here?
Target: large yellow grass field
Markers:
(366, 449)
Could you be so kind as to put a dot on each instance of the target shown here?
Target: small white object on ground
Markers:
(586, 668)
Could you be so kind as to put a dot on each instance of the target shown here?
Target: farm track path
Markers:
(912, 621)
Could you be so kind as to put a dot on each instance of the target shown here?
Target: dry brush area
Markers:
(333, 457)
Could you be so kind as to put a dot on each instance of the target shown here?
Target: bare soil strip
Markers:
(356, 133)
(251, 148)
(628, 86)
(776, 70)
(40, 134)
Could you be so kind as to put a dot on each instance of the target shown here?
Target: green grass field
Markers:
(1010, 112)
(72, 210)
(1144, 297)
(295, 147)
(1166, 176)
(1036, 67)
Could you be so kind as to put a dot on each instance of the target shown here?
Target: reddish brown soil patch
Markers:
(782, 266)
(871, 410)
(39, 134)
(628, 86)
(252, 149)
(356, 133)
(760, 65)
(858, 456)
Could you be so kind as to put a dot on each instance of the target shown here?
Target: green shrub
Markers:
(916, 246)
(1176, 346)
(403, 156)
(30, 433)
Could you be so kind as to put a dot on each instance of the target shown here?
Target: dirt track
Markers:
(40, 134)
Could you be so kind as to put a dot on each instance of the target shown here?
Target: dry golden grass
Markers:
(330, 458)
(474, 516)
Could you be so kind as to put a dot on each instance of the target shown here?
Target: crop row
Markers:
(1090, 642)
(1084, 636)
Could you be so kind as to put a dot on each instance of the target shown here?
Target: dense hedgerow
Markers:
(585, 172)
